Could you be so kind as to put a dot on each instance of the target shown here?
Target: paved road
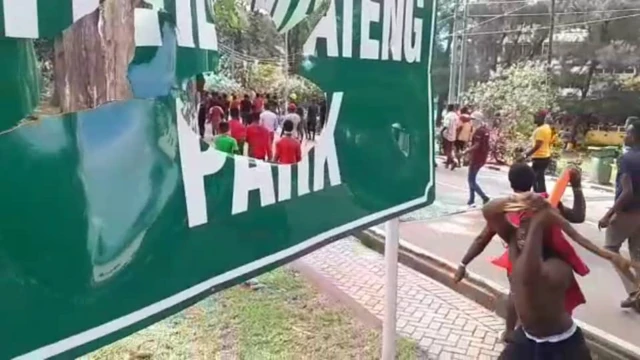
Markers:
(450, 236)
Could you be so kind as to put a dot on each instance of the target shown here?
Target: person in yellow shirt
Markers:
(540, 153)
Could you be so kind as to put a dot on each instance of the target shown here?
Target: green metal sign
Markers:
(116, 216)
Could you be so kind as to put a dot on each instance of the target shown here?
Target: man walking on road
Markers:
(450, 132)
(269, 120)
(295, 121)
(478, 153)
(541, 151)
(622, 221)
(258, 139)
(245, 109)
(224, 142)
(288, 149)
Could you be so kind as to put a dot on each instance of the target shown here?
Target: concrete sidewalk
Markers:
(449, 238)
(446, 324)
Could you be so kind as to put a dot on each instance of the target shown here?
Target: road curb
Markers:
(487, 293)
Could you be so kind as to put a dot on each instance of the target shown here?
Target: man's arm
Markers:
(477, 247)
(276, 156)
(269, 146)
(479, 244)
(576, 214)
(494, 213)
(626, 195)
(471, 149)
(535, 148)
(236, 149)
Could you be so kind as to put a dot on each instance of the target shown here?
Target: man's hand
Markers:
(575, 177)
(460, 274)
(605, 221)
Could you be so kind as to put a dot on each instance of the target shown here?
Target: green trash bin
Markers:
(602, 159)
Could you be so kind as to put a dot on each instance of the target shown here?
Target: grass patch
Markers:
(284, 319)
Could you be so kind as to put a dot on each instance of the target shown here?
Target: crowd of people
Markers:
(539, 261)
(271, 130)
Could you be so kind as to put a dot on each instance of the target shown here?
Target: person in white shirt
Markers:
(449, 135)
(294, 118)
(269, 120)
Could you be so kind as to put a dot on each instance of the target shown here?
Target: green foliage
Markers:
(230, 16)
(631, 84)
(516, 93)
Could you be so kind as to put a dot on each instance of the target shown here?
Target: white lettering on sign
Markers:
(392, 26)
(147, 26)
(251, 175)
(196, 164)
(327, 28)
(412, 34)
(21, 16)
(401, 31)
(369, 48)
(326, 155)
(248, 178)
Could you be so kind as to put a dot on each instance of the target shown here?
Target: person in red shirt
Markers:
(216, 114)
(258, 104)
(235, 103)
(259, 139)
(478, 153)
(238, 131)
(288, 150)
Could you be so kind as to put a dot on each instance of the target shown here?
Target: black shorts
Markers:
(523, 348)
(460, 145)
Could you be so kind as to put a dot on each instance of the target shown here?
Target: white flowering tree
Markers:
(516, 93)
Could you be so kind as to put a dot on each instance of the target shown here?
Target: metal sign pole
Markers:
(391, 289)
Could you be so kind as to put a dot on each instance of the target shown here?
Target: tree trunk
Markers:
(514, 46)
(536, 47)
(93, 55)
(584, 91)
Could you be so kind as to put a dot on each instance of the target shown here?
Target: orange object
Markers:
(561, 186)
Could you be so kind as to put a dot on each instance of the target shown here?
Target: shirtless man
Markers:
(521, 177)
(539, 282)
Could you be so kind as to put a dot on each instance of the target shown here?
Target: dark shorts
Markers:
(460, 145)
(523, 348)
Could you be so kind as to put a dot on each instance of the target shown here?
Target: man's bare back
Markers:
(539, 282)
(539, 300)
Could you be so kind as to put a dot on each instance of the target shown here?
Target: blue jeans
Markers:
(473, 185)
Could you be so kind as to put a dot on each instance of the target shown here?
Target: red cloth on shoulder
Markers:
(574, 296)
